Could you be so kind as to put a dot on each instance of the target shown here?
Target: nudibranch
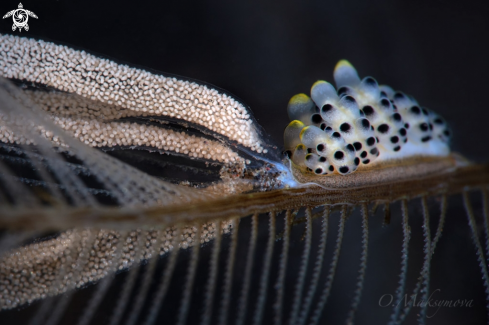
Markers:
(360, 124)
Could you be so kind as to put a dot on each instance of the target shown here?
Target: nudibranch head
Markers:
(359, 123)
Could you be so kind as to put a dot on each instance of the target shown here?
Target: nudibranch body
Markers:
(360, 124)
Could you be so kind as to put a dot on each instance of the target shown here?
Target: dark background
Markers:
(265, 52)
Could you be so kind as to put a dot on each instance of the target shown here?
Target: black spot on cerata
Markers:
(426, 139)
(309, 169)
(349, 99)
(344, 169)
(320, 147)
(350, 147)
(328, 128)
(395, 139)
(357, 161)
(357, 146)
(318, 170)
(374, 151)
(399, 96)
(383, 128)
(361, 112)
(323, 126)
(336, 135)
(383, 94)
(406, 125)
(447, 133)
(402, 132)
(322, 159)
(368, 110)
(438, 121)
(316, 118)
(425, 112)
(430, 126)
(309, 157)
(345, 127)
(326, 108)
(331, 168)
(397, 117)
(405, 140)
(343, 90)
(370, 81)
(378, 141)
(363, 154)
(397, 148)
(339, 155)
(372, 128)
(371, 141)
(309, 150)
(288, 153)
(385, 102)
(424, 127)
(365, 123)
(415, 110)
(366, 161)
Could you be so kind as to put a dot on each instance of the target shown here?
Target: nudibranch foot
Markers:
(384, 172)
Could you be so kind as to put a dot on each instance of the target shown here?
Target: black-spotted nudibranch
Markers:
(359, 124)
